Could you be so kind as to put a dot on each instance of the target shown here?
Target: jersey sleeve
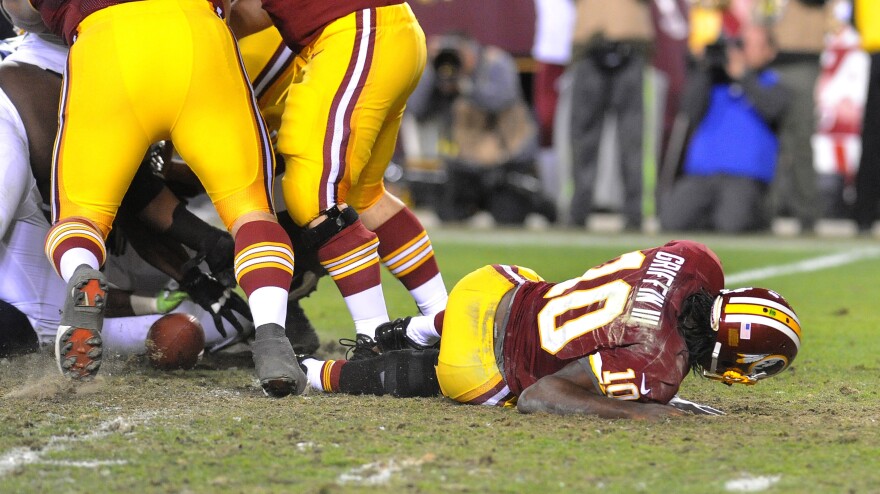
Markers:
(626, 374)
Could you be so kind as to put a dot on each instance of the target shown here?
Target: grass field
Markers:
(816, 428)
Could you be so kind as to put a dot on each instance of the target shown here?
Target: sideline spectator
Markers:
(800, 32)
(736, 104)
(488, 136)
(867, 20)
(612, 41)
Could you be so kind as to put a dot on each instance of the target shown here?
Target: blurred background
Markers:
(570, 112)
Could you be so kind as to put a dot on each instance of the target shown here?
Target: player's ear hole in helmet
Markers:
(757, 335)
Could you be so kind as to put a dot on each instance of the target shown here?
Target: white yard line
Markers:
(19, 457)
(805, 266)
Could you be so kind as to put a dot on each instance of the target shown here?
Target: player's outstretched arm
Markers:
(572, 391)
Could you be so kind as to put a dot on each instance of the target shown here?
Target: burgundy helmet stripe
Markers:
(769, 303)
(767, 321)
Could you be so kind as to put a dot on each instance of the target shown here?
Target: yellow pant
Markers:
(269, 64)
(466, 368)
(141, 72)
(343, 111)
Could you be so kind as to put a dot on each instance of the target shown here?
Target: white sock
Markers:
(313, 372)
(268, 305)
(73, 259)
(368, 310)
(421, 330)
(430, 296)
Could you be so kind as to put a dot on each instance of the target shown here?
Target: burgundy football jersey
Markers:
(301, 21)
(619, 317)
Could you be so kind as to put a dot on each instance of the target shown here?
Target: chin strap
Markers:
(735, 377)
(730, 377)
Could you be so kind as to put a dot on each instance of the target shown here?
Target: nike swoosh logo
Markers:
(642, 389)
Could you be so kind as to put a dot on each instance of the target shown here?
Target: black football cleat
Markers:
(277, 368)
(392, 336)
(78, 343)
(362, 347)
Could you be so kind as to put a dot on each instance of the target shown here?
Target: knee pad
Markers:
(17, 336)
(336, 222)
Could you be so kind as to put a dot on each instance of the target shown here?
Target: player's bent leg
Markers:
(349, 253)
(402, 374)
(264, 269)
(76, 249)
(407, 252)
(78, 345)
(467, 367)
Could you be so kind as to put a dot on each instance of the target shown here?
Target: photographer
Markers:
(733, 106)
(488, 136)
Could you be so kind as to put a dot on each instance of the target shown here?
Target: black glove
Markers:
(212, 245)
(219, 254)
(220, 301)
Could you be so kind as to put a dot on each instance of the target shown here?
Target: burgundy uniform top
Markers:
(63, 16)
(624, 313)
(301, 21)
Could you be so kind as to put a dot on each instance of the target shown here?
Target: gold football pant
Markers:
(343, 111)
(269, 64)
(466, 369)
(141, 72)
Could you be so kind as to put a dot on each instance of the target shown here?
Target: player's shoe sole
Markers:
(78, 352)
(78, 344)
(276, 365)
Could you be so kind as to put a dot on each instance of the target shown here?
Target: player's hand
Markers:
(219, 255)
(168, 300)
(221, 302)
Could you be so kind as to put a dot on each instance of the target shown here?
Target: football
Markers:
(175, 341)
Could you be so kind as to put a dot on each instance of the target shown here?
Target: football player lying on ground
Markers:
(616, 342)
